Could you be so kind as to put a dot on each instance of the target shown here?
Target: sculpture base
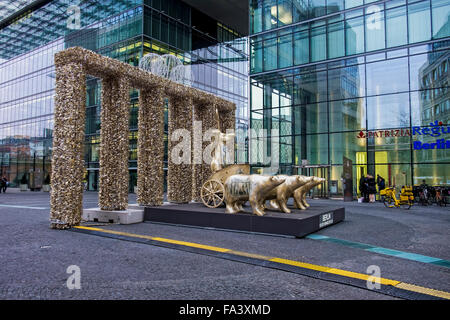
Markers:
(128, 216)
(299, 223)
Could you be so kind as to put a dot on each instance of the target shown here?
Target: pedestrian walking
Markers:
(363, 188)
(381, 183)
(3, 184)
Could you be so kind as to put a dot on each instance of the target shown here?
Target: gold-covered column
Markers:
(114, 144)
(150, 181)
(204, 112)
(179, 175)
(68, 145)
(227, 116)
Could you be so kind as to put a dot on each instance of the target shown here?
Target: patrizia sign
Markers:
(384, 133)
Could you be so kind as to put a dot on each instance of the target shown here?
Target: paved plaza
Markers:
(410, 246)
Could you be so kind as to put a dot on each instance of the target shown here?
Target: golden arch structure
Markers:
(186, 105)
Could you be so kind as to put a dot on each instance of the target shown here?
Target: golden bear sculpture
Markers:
(254, 187)
(279, 196)
(300, 193)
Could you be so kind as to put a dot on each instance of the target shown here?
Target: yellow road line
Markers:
(340, 272)
(183, 243)
(344, 273)
(191, 244)
(431, 292)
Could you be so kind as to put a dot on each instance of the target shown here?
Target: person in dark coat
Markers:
(381, 183)
(2, 185)
(371, 187)
(363, 188)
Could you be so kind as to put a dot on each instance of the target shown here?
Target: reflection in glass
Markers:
(310, 87)
(374, 27)
(396, 30)
(313, 147)
(345, 83)
(346, 115)
(301, 47)
(346, 145)
(433, 174)
(419, 22)
(354, 35)
(387, 76)
(388, 111)
(441, 18)
(311, 118)
(318, 44)
(336, 43)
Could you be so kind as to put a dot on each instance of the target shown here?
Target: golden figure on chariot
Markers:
(234, 185)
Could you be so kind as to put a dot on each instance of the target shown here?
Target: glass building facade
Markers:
(362, 80)
(122, 29)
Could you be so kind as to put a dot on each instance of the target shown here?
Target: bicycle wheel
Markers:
(388, 202)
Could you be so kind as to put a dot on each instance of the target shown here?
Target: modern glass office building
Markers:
(31, 32)
(361, 80)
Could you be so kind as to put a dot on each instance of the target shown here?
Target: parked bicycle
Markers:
(405, 201)
(441, 196)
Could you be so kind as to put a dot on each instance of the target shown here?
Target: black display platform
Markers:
(299, 223)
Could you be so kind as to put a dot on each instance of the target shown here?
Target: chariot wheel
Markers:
(212, 193)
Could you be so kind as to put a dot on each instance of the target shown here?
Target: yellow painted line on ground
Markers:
(345, 273)
(191, 244)
(183, 243)
(249, 255)
(340, 272)
(428, 291)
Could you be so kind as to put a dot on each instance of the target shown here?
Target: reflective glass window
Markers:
(433, 174)
(441, 18)
(311, 118)
(300, 10)
(318, 44)
(301, 47)
(419, 21)
(346, 144)
(269, 14)
(396, 28)
(353, 3)
(347, 115)
(388, 111)
(387, 76)
(354, 36)
(285, 51)
(374, 27)
(257, 57)
(270, 54)
(310, 87)
(344, 83)
(284, 12)
(256, 16)
(334, 6)
(336, 41)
